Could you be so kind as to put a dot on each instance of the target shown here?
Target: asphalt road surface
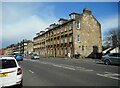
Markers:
(59, 72)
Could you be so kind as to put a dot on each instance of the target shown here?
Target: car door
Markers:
(8, 72)
(113, 58)
(118, 58)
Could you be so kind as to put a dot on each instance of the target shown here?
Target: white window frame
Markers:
(61, 31)
(78, 38)
(71, 39)
(66, 28)
(54, 32)
(71, 26)
(73, 16)
(77, 23)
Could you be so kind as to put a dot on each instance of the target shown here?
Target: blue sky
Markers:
(22, 20)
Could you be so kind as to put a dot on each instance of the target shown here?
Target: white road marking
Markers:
(63, 66)
(83, 69)
(68, 68)
(31, 71)
(113, 74)
(67, 65)
(110, 76)
(43, 62)
(88, 70)
(56, 65)
(107, 72)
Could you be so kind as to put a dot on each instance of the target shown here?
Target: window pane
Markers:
(71, 26)
(78, 38)
(8, 64)
(78, 25)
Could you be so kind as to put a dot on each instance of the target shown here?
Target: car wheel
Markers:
(20, 85)
(107, 62)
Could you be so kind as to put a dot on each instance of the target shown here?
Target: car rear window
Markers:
(4, 63)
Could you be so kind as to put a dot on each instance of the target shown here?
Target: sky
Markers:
(22, 20)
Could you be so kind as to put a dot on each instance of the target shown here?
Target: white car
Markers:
(10, 72)
(35, 56)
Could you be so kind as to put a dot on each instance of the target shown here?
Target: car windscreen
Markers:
(4, 63)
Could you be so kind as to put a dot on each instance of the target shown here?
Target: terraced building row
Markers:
(78, 36)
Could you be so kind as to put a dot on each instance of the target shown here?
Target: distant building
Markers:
(2, 51)
(80, 35)
(29, 47)
(10, 49)
(39, 43)
(25, 47)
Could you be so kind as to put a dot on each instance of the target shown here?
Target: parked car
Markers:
(35, 56)
(111, 58)
(10, 72)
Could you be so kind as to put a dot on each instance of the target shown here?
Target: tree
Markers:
(112, 38)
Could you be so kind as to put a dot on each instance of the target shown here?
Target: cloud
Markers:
(24, 20)
(24, 27)
(109, 22)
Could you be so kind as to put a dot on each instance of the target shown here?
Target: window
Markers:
(61, 31)
(114, 55)
(66, 39)
(8, 64)
(78, 38)
(70, 38)
(73, 16)
(62, 40)
(78, 25)
(71, 26)
(54, 32)
(66, 28)
(82, 48)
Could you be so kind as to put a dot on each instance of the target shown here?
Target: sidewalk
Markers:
(80, 59)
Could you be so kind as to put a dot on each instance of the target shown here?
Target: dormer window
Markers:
(72, 16)
(62, 20)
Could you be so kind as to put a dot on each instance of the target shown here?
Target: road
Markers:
(62, 72)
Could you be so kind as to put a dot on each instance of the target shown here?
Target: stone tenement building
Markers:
(24, 47)
(79, 35)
